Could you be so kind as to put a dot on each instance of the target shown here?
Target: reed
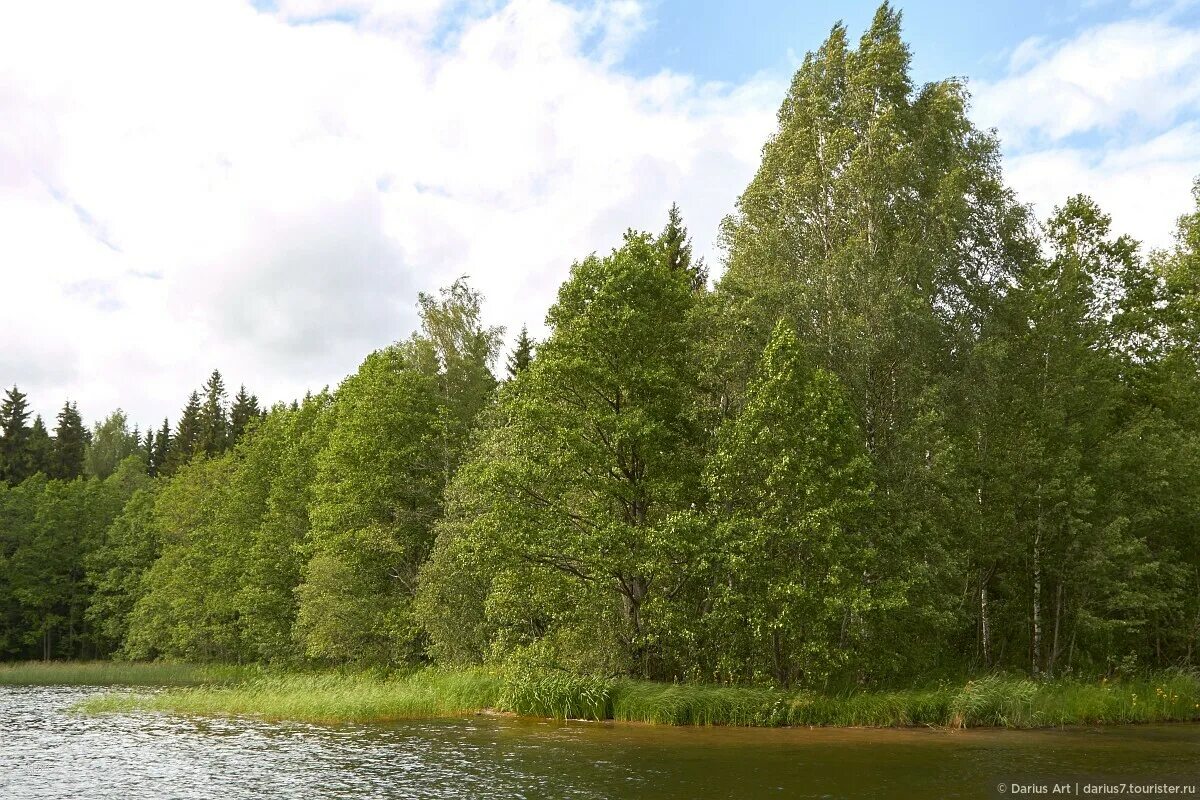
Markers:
(993, 700)
(120, 673)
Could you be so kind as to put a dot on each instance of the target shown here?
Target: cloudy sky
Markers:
(265, 186)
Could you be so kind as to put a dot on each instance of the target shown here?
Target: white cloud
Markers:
(1137, 72)
(1110, 113)
(200, 185)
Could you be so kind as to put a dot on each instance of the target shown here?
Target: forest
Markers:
(911, 432)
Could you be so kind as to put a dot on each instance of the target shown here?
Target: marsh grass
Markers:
(993, 700)
(119, 673)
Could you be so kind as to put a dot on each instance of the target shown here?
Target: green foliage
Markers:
(910, 436)
(398, 429)
(794, 563)
(572, 490)
(522, 354)
(15, 462)
(372, 697)
(212, 421)
(120, 673)
(110, 444)
(116, 566)
(70, 444)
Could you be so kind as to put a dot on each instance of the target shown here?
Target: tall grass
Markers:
(988, 701)
(119, 673)
(324, 697)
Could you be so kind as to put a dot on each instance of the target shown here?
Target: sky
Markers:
(264, 187)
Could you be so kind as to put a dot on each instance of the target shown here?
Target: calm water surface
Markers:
(47, 751)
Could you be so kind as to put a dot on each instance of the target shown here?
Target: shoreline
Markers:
(992, 701)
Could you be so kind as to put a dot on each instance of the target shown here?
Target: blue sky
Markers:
(263, 186)
(731, 41)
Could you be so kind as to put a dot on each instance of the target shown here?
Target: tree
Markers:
(161, 450)
(285, 447)
(522, 355)
(212, 431)
(116, 567)
(14, 437)
(40, 448)
(244, 409)
(398, 429)
(188, 607)
(111, 443)
(184, 444)
(791, 483)
(577, 489)
(464, 349)
(70, 444)
(677, 247)
(879, 227)
(376, 496)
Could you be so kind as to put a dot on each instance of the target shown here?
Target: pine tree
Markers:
(677, 247)
(244, 409)
(212, 436)
(522, 354)
(70, 444)
(40, 448)
(14, 437)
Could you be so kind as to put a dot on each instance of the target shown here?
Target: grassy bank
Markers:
(119, 673)
(989, 701)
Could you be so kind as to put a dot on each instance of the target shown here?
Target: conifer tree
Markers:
(212, 435)
(70, 444)
(522, 354)
(148, 448)
(161, 449)
(187, 433)
(244, 409)
(14, 437)
(677, 246)
(41, 448)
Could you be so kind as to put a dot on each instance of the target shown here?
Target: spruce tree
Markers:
(212, 435)
(161, 449)
(244, 409)
(187, 434)
(677, 247)
(148, 451)
(522, 354)
(70, 444)
(14, 437)
(40, 448)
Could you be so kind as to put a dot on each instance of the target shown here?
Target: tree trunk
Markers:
(1036, 639)
(985, 627)
(1057, 619)
(633, 590)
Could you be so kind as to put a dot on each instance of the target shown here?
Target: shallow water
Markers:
(47, 751)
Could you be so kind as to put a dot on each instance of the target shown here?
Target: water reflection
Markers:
(48, 752)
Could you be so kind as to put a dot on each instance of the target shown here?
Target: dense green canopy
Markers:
(911, 432)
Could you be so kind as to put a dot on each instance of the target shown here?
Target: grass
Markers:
(119, 673)
(989, 701)
(324, 697)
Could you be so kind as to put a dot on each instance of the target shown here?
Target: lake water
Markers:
(47, 751)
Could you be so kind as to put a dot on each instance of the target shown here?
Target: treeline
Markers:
(67, 488)
(911, 432)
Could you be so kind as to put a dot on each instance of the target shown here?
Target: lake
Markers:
(48, 751)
